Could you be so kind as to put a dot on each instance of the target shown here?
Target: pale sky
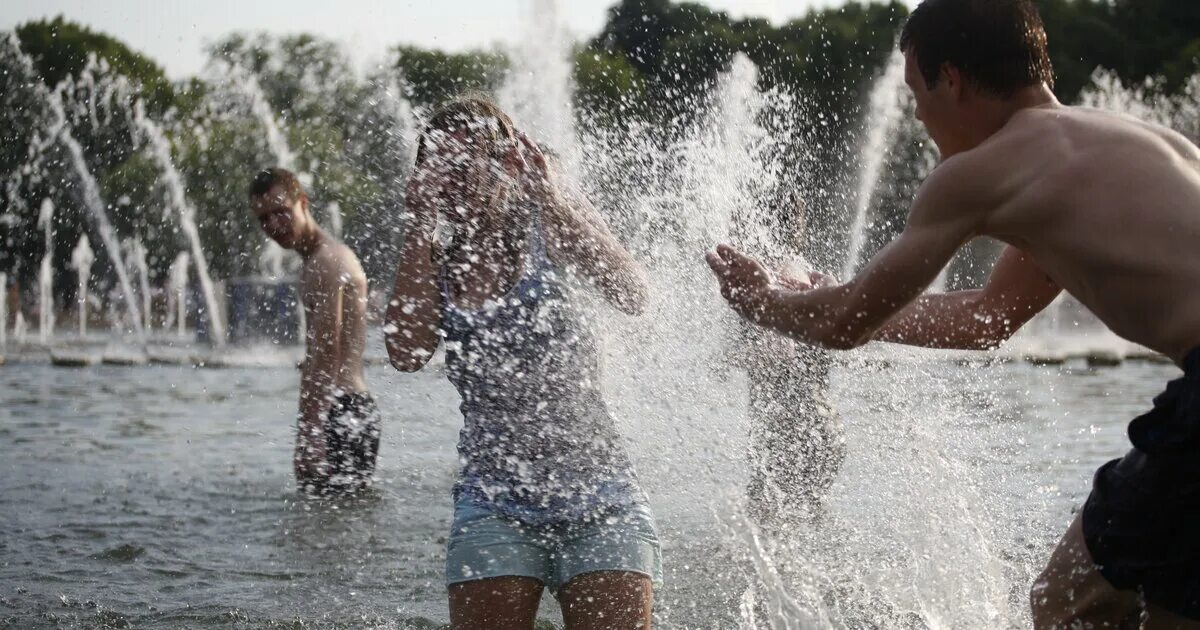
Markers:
(173, 32)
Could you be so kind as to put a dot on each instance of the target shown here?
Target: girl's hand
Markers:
(534, 168)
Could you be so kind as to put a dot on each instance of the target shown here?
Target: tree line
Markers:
(654, 62)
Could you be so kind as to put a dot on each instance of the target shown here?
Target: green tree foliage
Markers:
(1137, 39)
(61, 48)
(679, 49)
(607, 83)
(654, 62)
(433, 76)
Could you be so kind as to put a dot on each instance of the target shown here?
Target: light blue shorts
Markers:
(484, 544)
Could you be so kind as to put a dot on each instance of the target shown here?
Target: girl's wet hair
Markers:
(476, 114)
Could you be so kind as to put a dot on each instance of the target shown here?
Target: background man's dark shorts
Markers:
(351, 444)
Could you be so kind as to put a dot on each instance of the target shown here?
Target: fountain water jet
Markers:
(90, 191)
(20, 329)
(3, 310)
(57, 129)
(245, 83)
(160, 151)
(405, 124)
(539, 88)
(46, 274)
(882, 122)
(271, 261)
(335, 219)
(81, 260)
(136, 255)
(177, 280)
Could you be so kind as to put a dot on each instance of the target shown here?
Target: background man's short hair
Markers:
(269, 178)
(998, 45)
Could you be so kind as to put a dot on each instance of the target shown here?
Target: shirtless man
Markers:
(338, 435)
(1102, 205)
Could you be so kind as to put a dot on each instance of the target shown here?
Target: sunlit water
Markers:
(162, 497)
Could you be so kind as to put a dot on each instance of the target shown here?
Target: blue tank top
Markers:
(538, 443)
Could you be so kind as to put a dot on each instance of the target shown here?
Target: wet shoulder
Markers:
(334, 265)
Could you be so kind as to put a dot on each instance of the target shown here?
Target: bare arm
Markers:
(578, 239)
(354, 310)
(944, 216)
(414, 311)
(979, 319)
(321, 364)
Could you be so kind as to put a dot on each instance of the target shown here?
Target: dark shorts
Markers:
(351, 445)
(1142, 519)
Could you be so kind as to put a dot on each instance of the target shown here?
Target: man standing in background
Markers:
(338, 437)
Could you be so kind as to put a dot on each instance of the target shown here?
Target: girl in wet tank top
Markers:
(546, 496)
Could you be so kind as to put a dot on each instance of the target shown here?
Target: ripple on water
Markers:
(121, 553)
(137, 427)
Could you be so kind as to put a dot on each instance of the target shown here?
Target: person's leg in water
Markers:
(496, 568)
(1070, 589)
(1071, 593)
(607, 600)
(606, 569)
(798, 446)
(502, 603)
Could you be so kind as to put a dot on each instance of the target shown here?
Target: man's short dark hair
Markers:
(267, 179)
(998, 45)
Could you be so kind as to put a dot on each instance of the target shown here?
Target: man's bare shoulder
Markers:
(1012, 160)
(335, 264)
(960, 183)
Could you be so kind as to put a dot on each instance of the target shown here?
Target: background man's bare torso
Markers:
(334, 265)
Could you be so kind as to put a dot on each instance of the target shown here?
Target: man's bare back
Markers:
(1108, 206)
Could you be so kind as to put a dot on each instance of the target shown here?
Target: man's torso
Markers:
(335, 266)
(1109, 207)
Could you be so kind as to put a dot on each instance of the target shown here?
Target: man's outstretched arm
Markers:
(944, 216)
(979, 319)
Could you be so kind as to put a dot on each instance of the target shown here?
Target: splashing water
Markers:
(881, 124)
(539, 88)
(1108, 92)
(920, 532)
(906, 505)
